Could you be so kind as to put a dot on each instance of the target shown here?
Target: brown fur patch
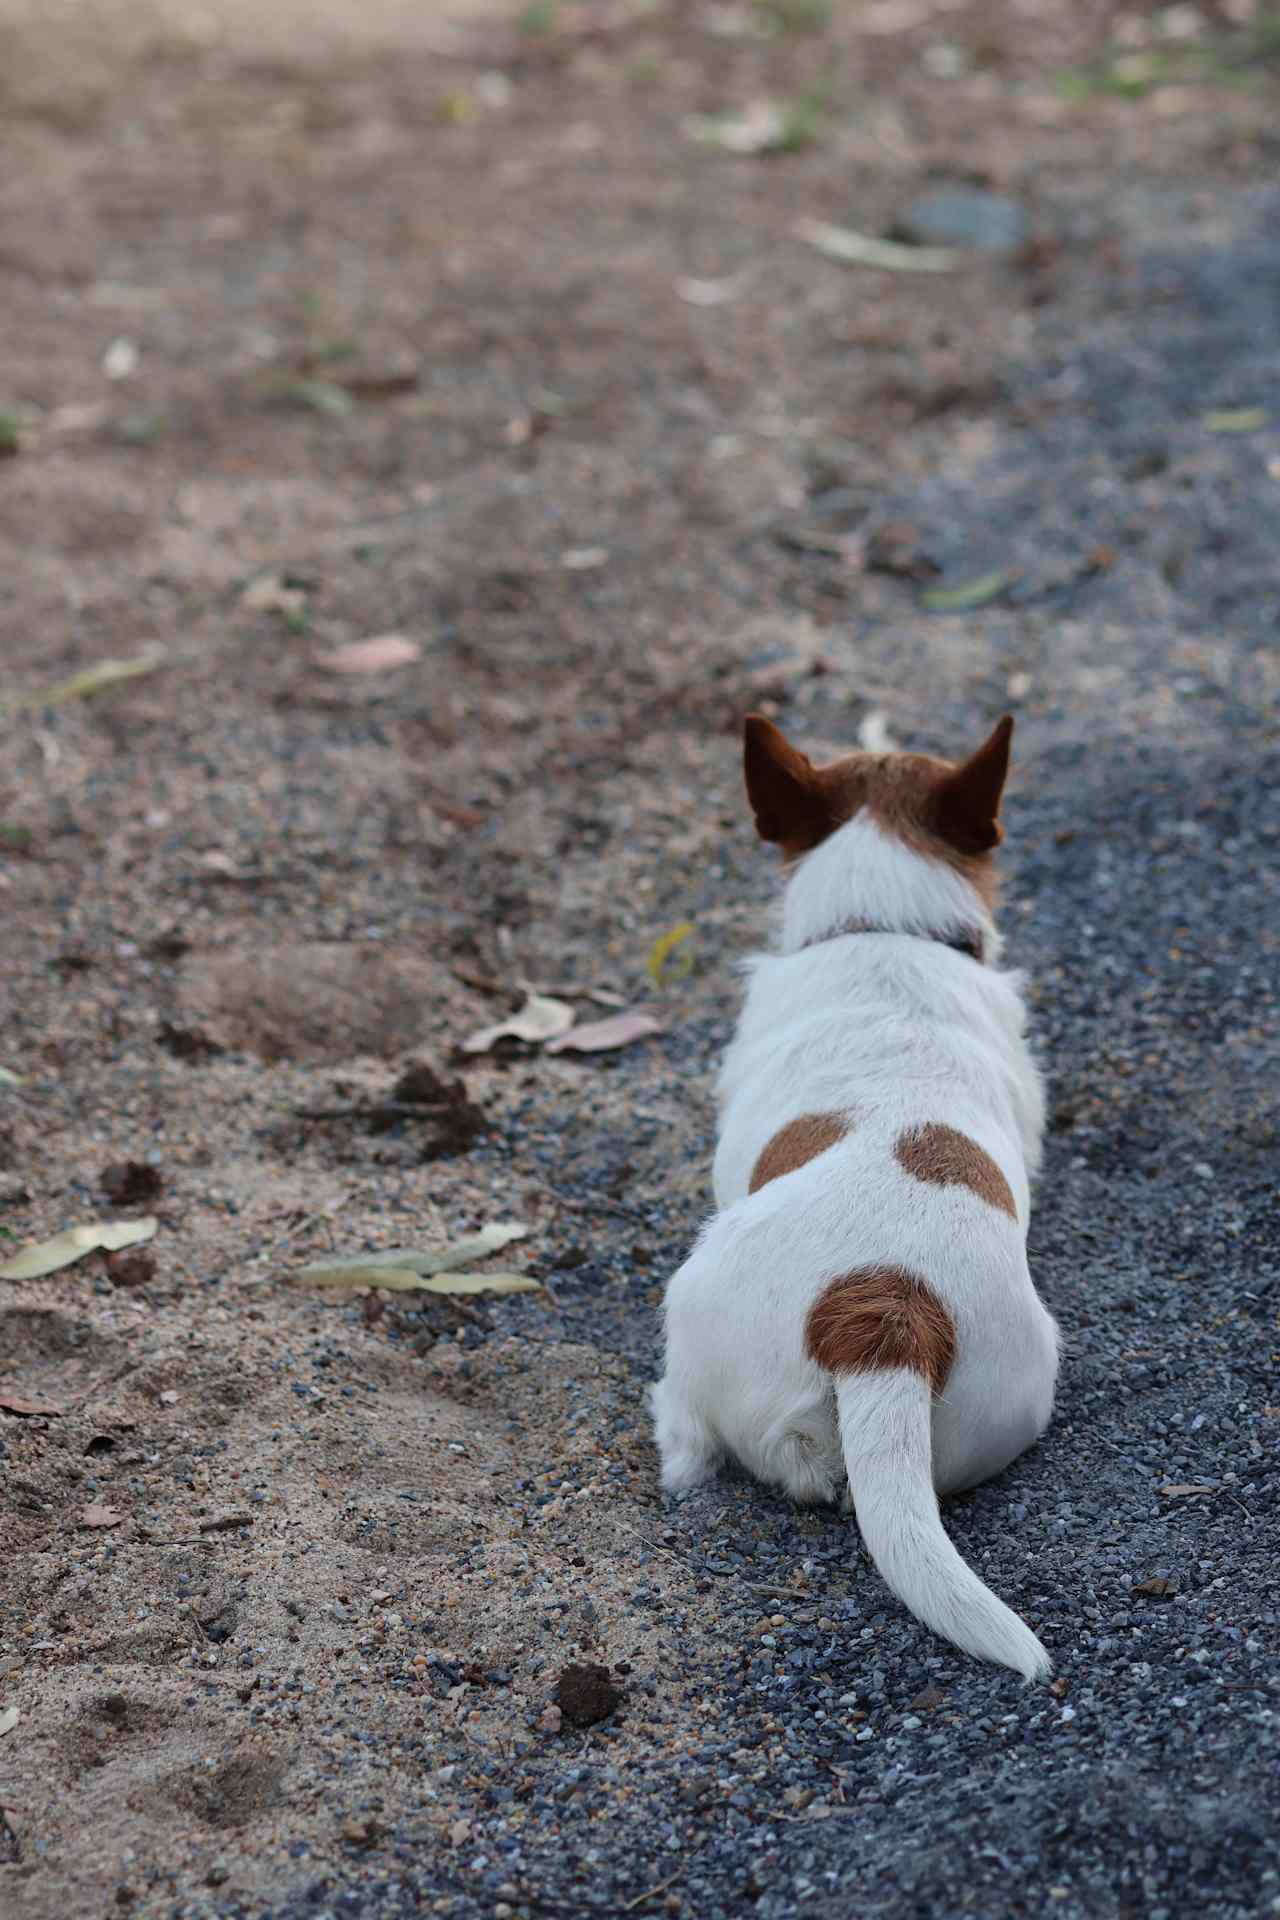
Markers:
(877, 1317)
(947, 1158)
(800, 1140)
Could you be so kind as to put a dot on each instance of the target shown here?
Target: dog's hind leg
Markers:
(690, 1451)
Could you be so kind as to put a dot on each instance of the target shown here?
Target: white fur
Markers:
(902, 1031)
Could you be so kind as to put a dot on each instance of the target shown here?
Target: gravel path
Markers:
(317, 1667)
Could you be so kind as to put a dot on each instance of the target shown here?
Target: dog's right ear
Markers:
(783, 787)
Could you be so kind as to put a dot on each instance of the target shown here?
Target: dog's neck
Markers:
(966, 940)
(863, 880)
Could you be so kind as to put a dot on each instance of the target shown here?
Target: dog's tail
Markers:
(885, 1420)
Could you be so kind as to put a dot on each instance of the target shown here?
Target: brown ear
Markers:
(966, 804)
(783, 787)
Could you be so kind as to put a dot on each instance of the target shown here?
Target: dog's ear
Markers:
(966, 804)
(783, 787)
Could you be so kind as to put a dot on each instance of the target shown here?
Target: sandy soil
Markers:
(440, 324)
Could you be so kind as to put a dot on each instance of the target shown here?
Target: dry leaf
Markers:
(600, 1036)
(270, 594)
(49, 1256)
(540, 1018)
(10, 1079)
(863, 250)
(584, 559)
(1236, 420)
(9, 1719)
(659, 971)
(14, 1403)
(405, 1280)
(1158, 1589)
(99, 1514)
(762, 127)
(1180, 1492)
(107, 673)
(406, 1264)
(708, 293)
(970, 593)
(377, 655)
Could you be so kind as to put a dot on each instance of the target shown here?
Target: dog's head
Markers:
(944, 810)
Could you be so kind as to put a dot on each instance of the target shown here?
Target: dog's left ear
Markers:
(966, 804)
(783, 787)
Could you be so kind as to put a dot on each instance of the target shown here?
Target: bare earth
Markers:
(330, 322)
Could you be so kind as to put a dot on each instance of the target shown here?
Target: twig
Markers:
(630, 1906)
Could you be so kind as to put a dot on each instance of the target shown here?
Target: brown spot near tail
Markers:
(800, 1140)
(877, 1317)
(947, 1158)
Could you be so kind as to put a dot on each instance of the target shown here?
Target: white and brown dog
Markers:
(860, 1305)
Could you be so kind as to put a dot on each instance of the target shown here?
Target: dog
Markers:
(859, 1307)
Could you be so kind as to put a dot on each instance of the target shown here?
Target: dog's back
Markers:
(861, 1305)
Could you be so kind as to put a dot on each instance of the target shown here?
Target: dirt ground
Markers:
(323, 323)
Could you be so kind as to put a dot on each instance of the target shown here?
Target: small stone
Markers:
(549, 1720)
(130, 1183)
(360, 1833)
(964, 217)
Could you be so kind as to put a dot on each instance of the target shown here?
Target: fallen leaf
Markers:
(584, 559)
(1158, 1589)
(971, 593)
(9, 1719)
(376, 655)
(761, 127)
(540, 1018)
(601, 1036)
(408, 1265)
(405, 1280)
(1236, 420)
(10, 1079)
(864, 250)
(311, 396)
(660, 967)
(14, 1403)
(929, 1698)
(1172, 1491)
(99, 1514)
(273, 594)
(49, 1256)
(107, 673)
(708, 293)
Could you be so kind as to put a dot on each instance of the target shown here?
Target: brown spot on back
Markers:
(800, 1140)
(946, 1157)
(877, 1317)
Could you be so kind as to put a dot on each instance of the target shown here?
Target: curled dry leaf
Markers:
(540, 1018)
(970, 593)
(15, 1403)
(762, 127)
(402, 1270)
(1156, 1589)
(864, 250)
(48, 1256)
(405, 1280)
(601, 1036)
(1236, 420)
(10, 1079)
(661, 968)
(9, 1719)
(99, 1514)
(376, 655)
(107, 673)
(273, 594)
(1178, 1491)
